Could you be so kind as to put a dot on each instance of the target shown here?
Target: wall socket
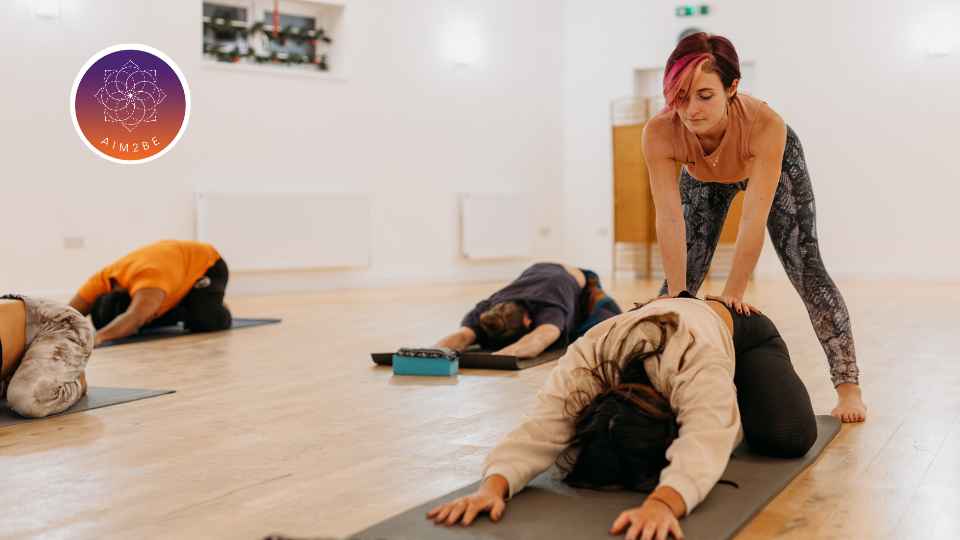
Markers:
(74, 242)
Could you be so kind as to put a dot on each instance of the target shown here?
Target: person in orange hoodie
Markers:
(160, 284)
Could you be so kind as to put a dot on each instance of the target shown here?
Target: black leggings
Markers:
(775, 408)
(202, 309)
(793, 231)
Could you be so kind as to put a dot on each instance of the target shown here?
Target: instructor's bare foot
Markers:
(850, 406)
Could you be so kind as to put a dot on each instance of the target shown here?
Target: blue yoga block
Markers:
(438, 367)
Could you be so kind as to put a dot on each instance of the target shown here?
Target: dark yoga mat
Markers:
(486, 360)
(162, 332)
(548, 508)
(97, 396)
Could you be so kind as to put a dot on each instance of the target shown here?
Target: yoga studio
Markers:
(479, 270)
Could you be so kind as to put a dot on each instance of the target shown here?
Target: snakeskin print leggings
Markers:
(792, 228)
(59, 342)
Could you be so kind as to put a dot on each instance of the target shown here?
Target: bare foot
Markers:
(850, 406)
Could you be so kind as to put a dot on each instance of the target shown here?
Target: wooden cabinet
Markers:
(635, 235)
(633, 208)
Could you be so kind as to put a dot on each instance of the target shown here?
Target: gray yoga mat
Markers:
(97, 396)
(548, 508)
(485, 360)
(162, 332)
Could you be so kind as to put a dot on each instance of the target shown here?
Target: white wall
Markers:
(875, 113)
(877, 117)
(407, 125)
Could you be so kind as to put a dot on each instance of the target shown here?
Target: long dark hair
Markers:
(622, 433)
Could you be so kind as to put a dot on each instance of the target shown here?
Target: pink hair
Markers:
(693, 51)
(678, 80)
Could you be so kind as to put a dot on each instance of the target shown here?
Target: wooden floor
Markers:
(290, 428)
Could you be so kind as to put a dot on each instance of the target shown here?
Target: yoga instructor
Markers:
(726, 142)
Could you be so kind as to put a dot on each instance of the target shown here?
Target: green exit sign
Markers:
(691, 11)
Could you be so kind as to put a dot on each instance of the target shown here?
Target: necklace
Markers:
(716, 160)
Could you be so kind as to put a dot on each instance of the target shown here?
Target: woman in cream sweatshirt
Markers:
(654, 399)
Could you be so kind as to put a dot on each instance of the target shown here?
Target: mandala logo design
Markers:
(130, 103)
(130, 95)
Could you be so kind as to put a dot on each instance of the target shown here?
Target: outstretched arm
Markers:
(709, 421)
(459, 340)
(490, 497)
(671, 229)
(756, 209)
(533, 343)
(527, 451)
(143, 308)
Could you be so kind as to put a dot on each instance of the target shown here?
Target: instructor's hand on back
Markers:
(488, 498)
(735, 303)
